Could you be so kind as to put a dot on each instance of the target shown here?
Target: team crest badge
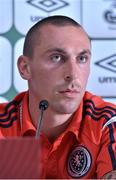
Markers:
(79, 162)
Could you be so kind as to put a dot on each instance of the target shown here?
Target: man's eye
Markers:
(56, 58)
(83, 59)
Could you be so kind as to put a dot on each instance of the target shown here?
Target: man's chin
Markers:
(65, 106)
(66, 110)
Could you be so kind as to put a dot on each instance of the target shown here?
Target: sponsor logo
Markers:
(108, 63)
(110, 15)
(48, 5)
(79, 162)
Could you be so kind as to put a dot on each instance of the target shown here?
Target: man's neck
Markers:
(54, 125)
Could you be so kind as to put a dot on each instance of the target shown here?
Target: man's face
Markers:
(60, 67)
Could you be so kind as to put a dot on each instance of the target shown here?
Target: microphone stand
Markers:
(43, 105)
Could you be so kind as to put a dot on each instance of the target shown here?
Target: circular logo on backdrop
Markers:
(79, 162)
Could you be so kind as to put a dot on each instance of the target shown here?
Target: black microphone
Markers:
(43, 105)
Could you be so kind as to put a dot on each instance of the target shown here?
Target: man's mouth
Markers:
(69, 92)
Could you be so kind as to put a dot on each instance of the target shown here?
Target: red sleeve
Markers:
(106, 160)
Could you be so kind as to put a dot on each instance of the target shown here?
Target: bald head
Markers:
(33, 36)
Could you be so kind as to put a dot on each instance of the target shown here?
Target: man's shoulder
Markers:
(97, 101)
(98, 116)
(7, 106)
(97, 109)
(9, 112)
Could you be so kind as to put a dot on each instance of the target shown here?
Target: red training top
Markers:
(86, 149)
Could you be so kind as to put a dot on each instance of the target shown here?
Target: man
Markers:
(78, 135)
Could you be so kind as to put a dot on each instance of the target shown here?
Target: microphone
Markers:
(43, 105)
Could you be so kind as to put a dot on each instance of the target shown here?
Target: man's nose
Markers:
(71, 71)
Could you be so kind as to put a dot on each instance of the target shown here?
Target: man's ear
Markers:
(24, 67)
